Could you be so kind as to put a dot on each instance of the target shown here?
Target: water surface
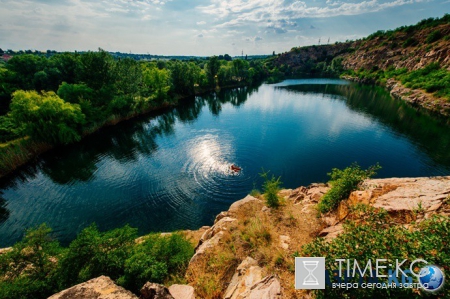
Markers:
(170, 170)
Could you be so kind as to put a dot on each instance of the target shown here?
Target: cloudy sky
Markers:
(200, 27)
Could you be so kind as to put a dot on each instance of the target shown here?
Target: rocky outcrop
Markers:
(248, 283)
(98, 288)
(405, 200)
(223, 222)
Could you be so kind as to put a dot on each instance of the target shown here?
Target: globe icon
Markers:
(431, 278)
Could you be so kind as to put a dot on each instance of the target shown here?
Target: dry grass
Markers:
(256, 234)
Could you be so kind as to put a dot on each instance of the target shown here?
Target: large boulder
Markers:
(98, 288)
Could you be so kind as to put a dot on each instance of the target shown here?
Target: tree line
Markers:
(57, 99)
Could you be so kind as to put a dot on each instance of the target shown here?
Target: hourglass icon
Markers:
(310, 279)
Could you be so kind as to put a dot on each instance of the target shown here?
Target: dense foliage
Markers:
(343, 182)
(38, 266)
(423, 24)
(370, 235)
(75, 93)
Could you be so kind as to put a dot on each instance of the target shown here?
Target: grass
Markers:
(256, 234)
(18, 152)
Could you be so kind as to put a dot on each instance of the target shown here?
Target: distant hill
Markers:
(411, 61)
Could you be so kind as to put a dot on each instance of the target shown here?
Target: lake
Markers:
(171, 170)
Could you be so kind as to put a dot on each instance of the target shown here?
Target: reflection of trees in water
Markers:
(123, 142)
(429, 133)
(235, 97)
(4, 213)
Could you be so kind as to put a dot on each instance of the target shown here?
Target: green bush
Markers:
(29, 270)
(373, 238)
(94, 253)
(433, 36)
(409, 42)
(271, 187)
(156, 259)
(343, 182)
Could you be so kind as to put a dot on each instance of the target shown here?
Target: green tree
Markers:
(24, 67)
(156, 82)
(97, 69)
(212, 68)
(46, 117)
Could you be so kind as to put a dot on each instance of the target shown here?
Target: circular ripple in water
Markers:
(209, 158)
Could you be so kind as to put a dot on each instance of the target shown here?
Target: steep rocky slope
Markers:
(408, 48)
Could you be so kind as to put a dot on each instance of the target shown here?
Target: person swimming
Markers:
(235, 168)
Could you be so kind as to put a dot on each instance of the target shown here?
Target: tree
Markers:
(212, 68)
(74, 93)
(156, 82)
(97, 69)
(24, 67)
(46, 117)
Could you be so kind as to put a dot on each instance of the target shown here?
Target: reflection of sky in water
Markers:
(209, 155)
(172, 171)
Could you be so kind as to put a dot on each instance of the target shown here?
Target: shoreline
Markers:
(414, 97)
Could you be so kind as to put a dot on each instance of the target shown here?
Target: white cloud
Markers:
(201, 23)
(239, 12)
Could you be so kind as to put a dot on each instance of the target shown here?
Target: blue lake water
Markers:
(170, 171)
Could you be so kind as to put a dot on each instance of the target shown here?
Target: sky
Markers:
(200, 27)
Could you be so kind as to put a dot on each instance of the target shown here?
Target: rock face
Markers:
(155, 291)
(247, 283)
(98, 288)
(412, 195)
(212, 236)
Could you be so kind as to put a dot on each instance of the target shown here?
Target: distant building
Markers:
(5, 57)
